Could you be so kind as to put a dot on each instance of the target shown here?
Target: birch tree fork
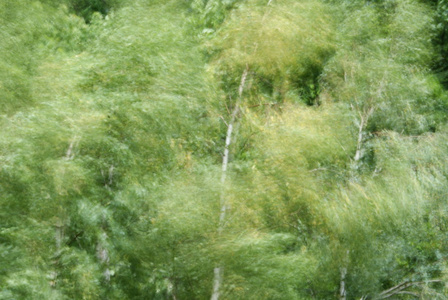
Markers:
(219, 270)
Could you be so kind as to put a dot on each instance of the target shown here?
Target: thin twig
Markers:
(224, 121)
(262, 104)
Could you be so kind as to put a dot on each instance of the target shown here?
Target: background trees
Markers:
(114, 119)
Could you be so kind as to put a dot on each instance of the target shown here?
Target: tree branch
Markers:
(402, 286)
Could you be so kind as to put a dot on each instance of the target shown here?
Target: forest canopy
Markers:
(224, 149)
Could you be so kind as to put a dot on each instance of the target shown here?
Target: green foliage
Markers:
(17, 62)
(87, 9)
(31, 32)
(439, 40)
(279, 44)
(208, 15)
(300, 152)
(381, 64)
(262, 266)
(113, 132)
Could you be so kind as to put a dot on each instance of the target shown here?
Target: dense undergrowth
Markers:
(114, 118)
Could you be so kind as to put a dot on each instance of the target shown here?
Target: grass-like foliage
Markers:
(298, 147)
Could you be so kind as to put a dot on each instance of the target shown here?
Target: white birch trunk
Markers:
(59, 226)
(217, 279)
(364, 118)
(58, 237)
(219, 270)
(360, 143)
(101, 251)
(342, 286)
(342, 291)
(103, 256)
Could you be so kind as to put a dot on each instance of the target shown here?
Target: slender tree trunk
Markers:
(225, 162)
(364, 118)
(342, 285)
(60, 226)
(101, 251)
(217, 279)
(342, 291)
(58, 237)
(103, 256)
(218, 271)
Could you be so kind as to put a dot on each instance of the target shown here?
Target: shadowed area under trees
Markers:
(223, 149)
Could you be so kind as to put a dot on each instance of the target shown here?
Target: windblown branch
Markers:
(399, 289)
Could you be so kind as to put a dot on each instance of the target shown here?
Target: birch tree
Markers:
(218, 271)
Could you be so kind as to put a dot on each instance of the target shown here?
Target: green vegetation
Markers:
(223, 149)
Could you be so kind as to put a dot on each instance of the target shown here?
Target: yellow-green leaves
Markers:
(113, 133)
(308, 137)
(284, 44)
(381, 63)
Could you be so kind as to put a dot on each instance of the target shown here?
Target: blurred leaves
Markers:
(114, 123)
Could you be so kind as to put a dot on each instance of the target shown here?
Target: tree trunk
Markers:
(342, 285)
(342, 291)
(101, 251)
(364, 118)
(103, 256)
(59, 226)
(219, 270)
